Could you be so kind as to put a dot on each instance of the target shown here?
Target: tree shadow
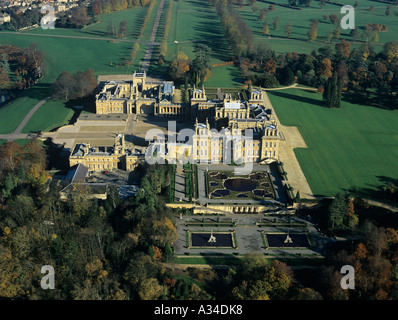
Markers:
(298, 98)
(375, 191)
(369, 100)
(57, 156)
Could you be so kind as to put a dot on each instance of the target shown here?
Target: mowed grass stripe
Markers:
(197, 22)
(354, 146)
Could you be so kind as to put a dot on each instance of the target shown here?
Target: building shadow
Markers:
(294, 97)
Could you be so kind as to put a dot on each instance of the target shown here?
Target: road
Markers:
(16, 134)
(150, 44)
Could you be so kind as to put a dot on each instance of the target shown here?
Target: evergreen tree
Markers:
(9, 185)
(4, 63)
(168, 251)
(336, 213)
(287, 76)
(151, 252)
(332, 92)
(298, 197)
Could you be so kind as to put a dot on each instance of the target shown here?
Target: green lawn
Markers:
(193, 22)
(301, 21)
(351, 147)
(54, 110)
(13, 114)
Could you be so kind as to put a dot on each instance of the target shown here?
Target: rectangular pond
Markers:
(278, 240)
(201, 240)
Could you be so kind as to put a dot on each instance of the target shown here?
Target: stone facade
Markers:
(227, 129)
(106, 158)
(139, 96)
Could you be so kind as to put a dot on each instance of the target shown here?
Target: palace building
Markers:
(98, 158)
(227, 126)
(140, 96)
(230, 145)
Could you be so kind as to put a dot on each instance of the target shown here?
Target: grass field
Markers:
(54, 110)
(13, 114)
(197, 22)
(70, 54)
(301, 21)
(351, 147)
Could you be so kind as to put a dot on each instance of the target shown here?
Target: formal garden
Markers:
(227, 185)
(191, 181)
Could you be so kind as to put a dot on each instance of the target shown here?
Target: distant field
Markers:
(354, 146)
(301, 21)
(197, 22)
(70, 54)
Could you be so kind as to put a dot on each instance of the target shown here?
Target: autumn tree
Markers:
(5, 72)
(79, 17)
(265, 28)
(270, 66)
(68, 86)
(10, 285)
(334, 18)
(343, 48)
(325, 69)
(179, 67)
(150, 289)
(260, 281)
(390, 49)
(164, 231)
